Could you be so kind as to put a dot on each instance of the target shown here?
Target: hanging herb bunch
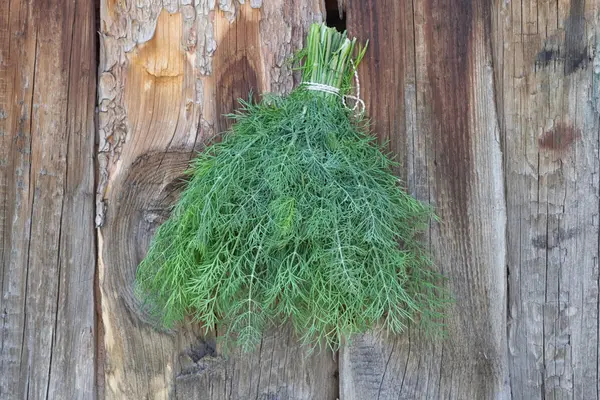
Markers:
(295, 216)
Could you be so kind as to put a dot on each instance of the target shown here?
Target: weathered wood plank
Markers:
(47, 256)
(430, 64)
(166, 77)
(549, 120)
(280, 369)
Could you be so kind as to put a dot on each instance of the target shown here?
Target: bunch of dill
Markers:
(295, 216)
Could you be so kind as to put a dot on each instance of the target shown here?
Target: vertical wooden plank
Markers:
(47, 257)
(549, 118)
(453, 159)
(168, 71)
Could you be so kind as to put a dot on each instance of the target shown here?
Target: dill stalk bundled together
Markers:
(295, 216)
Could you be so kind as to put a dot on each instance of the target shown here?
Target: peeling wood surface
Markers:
(429, 85)
(47, 254)
(547, 90)
(168, 72)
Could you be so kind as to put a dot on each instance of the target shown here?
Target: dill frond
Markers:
(295, 216)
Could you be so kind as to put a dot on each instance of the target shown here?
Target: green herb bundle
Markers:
(295, 216)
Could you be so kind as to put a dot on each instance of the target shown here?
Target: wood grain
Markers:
(491, 107)
(280, 369)
(429, 84)
(166, 77)
(548, 101)
(47, 255)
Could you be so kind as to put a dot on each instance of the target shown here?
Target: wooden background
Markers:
(492, 106)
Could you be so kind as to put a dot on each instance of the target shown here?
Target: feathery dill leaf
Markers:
(295, 216)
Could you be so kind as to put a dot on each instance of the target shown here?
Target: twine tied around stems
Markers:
(359, 105)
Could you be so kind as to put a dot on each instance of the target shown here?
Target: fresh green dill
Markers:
(295, 216)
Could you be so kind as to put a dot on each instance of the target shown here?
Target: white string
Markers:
(320, 87)
(359, 104)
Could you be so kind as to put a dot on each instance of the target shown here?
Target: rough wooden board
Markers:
(139, 361)
(548, 102)
(47, 256)
(165, 79)
(389, 71)
(280, 369)
(452, 154)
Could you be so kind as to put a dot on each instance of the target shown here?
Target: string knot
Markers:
(359, 105)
